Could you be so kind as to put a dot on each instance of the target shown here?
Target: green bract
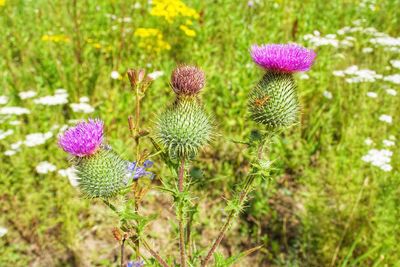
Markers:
(273, 102)
(103, 174)
(184, 129)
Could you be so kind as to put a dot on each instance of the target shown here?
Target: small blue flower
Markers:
(138, 263)
(140, 171)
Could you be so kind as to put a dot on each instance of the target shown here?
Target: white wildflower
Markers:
(14, 111)
(379, 158)
(70, 173)
(368, 141)
(45, 167)
(327, 94)
(52, 100)
(61, 91)
(391, 91)
(367, 50)
(372, 94)
(15, 123)
(385, 41)
(304, 76)
(395, 63)
(156, 74)
(16, 145)
(82, 107)
(4, 134)
(115, 75)
(36, 139)
(395, 78)
(3, 99)
(27, 94)
(84, 99)
(338, 73)
(3, 231)
(388, 143)
(9, 153)
(386, 118)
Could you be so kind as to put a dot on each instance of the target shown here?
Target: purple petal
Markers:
(283, 57)
(84, 139)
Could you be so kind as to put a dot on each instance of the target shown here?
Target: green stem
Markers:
(245, 190)
(181, 177)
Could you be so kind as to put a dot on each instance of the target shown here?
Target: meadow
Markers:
(333, 196)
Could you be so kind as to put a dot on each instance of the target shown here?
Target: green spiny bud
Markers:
(102, 174)
(184, 129)
(273, 102)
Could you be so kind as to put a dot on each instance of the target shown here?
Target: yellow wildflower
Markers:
(97, 45)
(58, 38)
(187, 31)
(170, 9)
(151, 40)
(2, 2)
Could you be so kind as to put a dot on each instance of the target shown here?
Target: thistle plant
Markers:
(182, 130)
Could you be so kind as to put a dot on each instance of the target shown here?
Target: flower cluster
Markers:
(151, 39)
(170, 9)
(58, 38)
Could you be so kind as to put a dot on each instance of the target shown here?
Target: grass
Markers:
(324, 205)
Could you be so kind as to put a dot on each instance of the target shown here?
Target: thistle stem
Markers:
(181, 176)
(245, 190)
(219, 239)
(154, 254)
(137, 126)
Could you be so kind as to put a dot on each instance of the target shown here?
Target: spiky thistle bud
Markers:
(184, 129)
(273, 102)
(103, 174)
(187, 80)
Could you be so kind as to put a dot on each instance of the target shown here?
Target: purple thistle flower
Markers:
(287, 58)
(84, 139)
(138, 263)
(140, 171)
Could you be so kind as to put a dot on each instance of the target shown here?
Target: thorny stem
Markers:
(181, 177)
(219, 239)
(188, 237)
(245, 190)
(135, 129)
(154, 254)
(146, 245)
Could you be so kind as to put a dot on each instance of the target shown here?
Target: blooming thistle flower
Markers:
(101, 171)
(274, 102)
(187, 80)
(283, 57)
(84, 139)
